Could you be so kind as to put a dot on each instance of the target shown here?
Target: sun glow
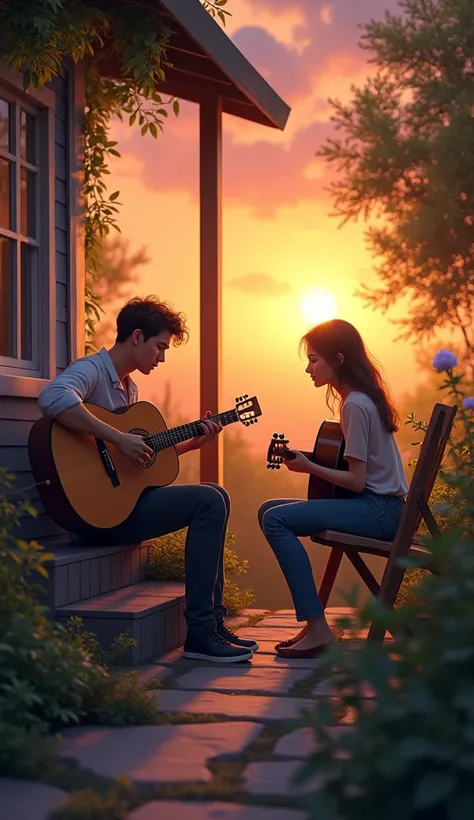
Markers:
(318, 305)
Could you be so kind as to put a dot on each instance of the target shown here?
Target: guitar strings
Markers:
(169, 437)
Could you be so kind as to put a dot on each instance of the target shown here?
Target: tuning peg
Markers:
(256, 421)
(246, 396)
(275, 435)
(282, 435)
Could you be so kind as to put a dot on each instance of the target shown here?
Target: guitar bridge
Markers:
(109, 465)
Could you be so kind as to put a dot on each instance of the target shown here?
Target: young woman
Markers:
(375, 479)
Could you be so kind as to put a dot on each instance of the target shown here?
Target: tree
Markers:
(118, 269)
(405, 157)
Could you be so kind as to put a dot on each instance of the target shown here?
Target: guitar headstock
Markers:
(276, 451)
(247, 409)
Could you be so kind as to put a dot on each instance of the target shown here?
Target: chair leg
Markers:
(391, 583)
(329, 577)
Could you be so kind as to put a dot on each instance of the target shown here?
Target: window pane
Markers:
(28, 288)
(7, 345)
(27, 137)
(27, 203)
(5, 125)
(5, 194)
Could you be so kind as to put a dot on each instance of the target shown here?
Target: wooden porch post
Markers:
(210, 167)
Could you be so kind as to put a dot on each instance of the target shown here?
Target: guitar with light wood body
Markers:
(84, 481)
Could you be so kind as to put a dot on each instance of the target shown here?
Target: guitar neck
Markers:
(168, 438)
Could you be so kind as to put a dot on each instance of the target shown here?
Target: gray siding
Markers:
(17, 414)
(61, 218)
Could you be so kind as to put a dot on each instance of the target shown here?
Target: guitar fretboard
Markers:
(167, 438)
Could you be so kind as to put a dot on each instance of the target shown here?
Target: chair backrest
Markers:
(424, 477)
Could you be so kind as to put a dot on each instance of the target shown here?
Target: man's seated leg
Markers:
(200, 508)
(220, 609)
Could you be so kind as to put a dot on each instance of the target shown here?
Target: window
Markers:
(20, 181)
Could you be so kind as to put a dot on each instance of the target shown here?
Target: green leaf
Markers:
(176, 107)
(114, 196)
(153, 130)
(434, 788)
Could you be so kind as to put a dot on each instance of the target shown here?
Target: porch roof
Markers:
(205, 60)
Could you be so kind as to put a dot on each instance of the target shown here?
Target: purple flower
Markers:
(468, 403)
(444, 360)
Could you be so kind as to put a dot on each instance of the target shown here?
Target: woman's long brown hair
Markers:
(358, 369)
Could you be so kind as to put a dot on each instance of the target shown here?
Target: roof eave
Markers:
(264, 106)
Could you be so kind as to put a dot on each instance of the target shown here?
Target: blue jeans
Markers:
(283, 519)
(205, 510)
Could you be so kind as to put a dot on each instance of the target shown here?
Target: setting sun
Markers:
(318, 305)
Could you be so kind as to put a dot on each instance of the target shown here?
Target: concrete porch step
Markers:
(151, 611)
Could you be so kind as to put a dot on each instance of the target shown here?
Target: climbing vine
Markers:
(41, 38)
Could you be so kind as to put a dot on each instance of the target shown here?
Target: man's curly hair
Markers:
(151, 316)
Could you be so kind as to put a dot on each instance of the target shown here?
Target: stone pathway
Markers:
(227, 746)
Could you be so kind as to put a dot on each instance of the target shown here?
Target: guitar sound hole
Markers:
(138, 431)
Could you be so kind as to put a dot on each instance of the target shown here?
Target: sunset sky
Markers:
(278, 239)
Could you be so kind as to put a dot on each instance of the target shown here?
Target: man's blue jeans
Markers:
(283, 519)
(205, 510)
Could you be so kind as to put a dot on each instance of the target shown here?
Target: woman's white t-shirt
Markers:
(367, 440)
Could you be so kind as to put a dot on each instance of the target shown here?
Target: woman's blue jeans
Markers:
(282, 520)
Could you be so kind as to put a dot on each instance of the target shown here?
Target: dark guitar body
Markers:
(328, 451)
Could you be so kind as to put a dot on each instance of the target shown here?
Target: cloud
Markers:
(259, 284)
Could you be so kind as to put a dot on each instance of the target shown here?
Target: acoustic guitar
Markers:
(84, 480)
(328, 451)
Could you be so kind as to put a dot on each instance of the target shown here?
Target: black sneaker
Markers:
(234, 639)
(209, 646)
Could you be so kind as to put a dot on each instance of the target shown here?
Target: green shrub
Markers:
(89, 642)
(167, 564)
(410, 753)
(49, 675)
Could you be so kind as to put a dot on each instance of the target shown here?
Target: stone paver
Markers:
(302, 742)
(154, 671)
(247, 707)
(250, 679)
(157, 754)
(23, 800)
(171, 810)
(271, 659)
(274, 778)
(270, 633)
(286, 621)
(327, 688)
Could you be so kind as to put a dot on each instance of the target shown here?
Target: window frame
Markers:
(18, 377)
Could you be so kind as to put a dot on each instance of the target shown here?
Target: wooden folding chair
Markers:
(406, 542)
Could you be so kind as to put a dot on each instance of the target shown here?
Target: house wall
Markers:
(19, 411)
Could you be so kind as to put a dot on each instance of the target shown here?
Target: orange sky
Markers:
(278, 240)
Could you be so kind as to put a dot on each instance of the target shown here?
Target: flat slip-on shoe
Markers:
(312, 652)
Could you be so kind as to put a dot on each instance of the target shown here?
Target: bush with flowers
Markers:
(408, 752)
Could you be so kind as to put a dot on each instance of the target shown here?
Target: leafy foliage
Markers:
(403, 157)
(41, 37)
(119, 268)
(50, 676)
(409, 752)
(167, 564)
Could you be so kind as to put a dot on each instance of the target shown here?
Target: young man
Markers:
(145, 329)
